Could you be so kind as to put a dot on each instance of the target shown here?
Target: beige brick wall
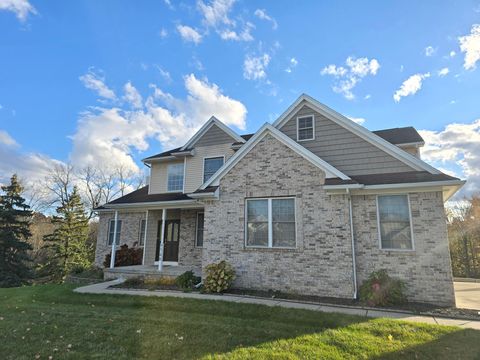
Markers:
(188, 253)
(427, 269)
(321, 262)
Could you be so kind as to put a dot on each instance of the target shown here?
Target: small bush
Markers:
(92, 272)
(219, 277)
(187, 280)
(161, 281)
(125, 256)
(382, 290)
(133, 282)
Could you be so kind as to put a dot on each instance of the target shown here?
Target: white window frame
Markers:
(196, 229)
(270, 228)
(313, 127)
(183, 181)
(110, 221)
(141, 237)
(203, 165)
(409, 217)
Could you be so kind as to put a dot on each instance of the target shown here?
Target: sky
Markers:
(109, 82)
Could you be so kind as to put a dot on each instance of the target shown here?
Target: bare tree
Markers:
(60, 182)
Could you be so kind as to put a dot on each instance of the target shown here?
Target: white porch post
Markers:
(114, 243)
(162, 235)
(145, 238)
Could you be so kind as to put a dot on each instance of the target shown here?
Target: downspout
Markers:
(114, 243)
(160, 255)
(354, 265)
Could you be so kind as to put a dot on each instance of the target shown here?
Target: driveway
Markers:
(467, 295)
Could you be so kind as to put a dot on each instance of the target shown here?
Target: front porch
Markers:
(149, 271)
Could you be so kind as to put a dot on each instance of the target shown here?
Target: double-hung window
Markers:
(394, 222)
(143, 224)
(175, 177)
(211, 165)
(199, 231)
(305, 128)
(111, 231)
(270, 223)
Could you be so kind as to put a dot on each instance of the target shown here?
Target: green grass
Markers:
(51, 320)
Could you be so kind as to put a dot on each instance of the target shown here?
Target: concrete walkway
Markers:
(102, 288)
(467, 295)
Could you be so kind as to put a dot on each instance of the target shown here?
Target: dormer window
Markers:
(175, 176)
(305, 128)
(211, 165)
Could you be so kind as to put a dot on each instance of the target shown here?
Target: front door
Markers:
(171, 240)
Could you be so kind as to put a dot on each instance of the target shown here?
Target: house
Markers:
(310, 204)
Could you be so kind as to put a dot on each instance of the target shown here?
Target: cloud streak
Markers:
(410, 86)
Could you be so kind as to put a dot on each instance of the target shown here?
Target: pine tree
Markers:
(68, 244)
(14, 233)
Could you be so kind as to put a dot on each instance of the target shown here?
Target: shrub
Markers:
(381, 290)
(92, 272)
(219, 277)
(133, 282)
(161, 281)
(187, 280)
(125, 256)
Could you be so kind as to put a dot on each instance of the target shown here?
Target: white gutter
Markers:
(354, 264)
(396, 186)
(205, 195)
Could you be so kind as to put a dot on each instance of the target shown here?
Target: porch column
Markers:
(162, 235)
(145, 238)
(114, 243)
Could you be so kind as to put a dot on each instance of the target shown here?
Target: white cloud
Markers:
(132, 95)
(244, 35)
(470, 45)
(368, 96)
(292, 64)
(410, 86)
(164, 73)
(430, 51)
(443, 72)
(457, 148)
(96, 82)
(216, 13)
(21, 8)
(262, 14)
(348, 77)
(254, 67)
(163, 33)
(358, 120)
(452, 53)
(6, 139)
(189, 34)
(104, 134)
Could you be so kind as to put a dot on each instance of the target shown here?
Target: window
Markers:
(395, 228)
(270, 222)
(305, 128)
(210, 166)
(175, 177)
(143, 224)
(199, 232)
(111, 229)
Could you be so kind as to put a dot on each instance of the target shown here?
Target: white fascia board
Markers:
(211, 195)
(159, 159)
(358, 130)
(154, 205)
(212, 121)
(412, 144)
(330, 171)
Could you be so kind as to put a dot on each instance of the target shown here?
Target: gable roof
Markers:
(211, 122)
(330, 171)
(401, 136)
(356, 129)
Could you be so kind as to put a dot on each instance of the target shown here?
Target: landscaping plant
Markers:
(382, 290)
(219, 277)
(125, 256)
(187, 280)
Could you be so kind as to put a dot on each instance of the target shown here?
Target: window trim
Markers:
(183, 181)
(313, 127)
(270, 228)
(196, 228)
(409, 218)
(140, 237)
(203, 165)
(119, 232)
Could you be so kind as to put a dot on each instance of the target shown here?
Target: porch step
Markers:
(128, 272)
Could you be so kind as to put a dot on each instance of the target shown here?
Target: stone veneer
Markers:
(321, 263)
(427, 269)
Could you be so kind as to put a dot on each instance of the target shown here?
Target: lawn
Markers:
(51, 320)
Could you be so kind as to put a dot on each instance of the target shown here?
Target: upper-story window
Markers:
(211, 165)
(175, 177)
(305, 128)
(394, 222)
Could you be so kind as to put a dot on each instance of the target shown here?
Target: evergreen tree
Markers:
(68, 244)
(14, 233)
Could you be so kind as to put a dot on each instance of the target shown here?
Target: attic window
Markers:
(305, 128)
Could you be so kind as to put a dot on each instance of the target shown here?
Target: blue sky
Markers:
(81, 81)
